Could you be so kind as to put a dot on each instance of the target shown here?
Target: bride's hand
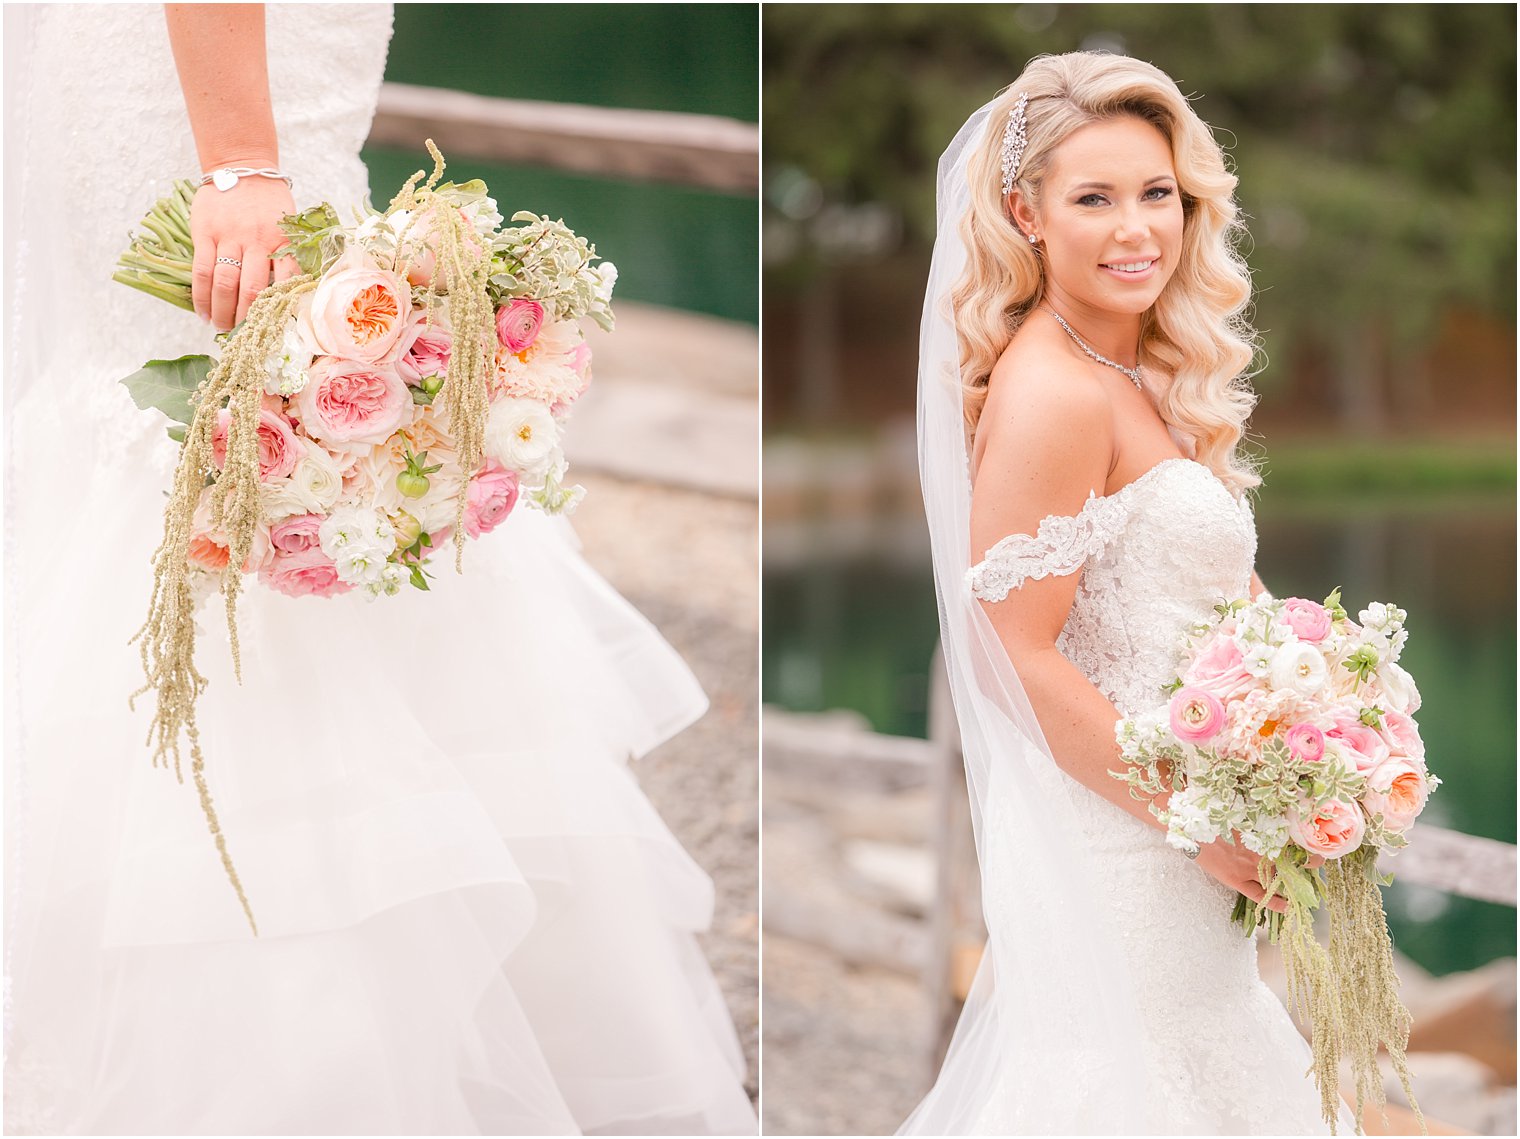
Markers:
(1239, 869)
(239, 225)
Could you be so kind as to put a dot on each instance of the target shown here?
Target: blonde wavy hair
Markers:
(1196, 332)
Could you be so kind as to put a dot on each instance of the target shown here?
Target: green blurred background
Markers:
(675, 246)
(1375, 146)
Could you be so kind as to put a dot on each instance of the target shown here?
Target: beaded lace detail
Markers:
(1223, 1054)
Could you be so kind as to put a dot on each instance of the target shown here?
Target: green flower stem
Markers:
(179, 297)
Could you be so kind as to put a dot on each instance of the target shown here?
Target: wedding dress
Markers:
(1114, 997)
(472, 921)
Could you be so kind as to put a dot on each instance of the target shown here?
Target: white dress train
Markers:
(472, 921)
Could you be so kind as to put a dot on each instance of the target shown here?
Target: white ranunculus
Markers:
(316, 481)
(522, 436)
(1299, 667)
(1399, 687)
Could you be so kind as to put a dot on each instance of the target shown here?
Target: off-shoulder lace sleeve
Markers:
(1059, 546)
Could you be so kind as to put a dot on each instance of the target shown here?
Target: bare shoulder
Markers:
(1047, 428)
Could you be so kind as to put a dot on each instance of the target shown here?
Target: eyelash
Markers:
(1164, 191)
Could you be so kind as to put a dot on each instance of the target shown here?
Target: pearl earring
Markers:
(1033, 240)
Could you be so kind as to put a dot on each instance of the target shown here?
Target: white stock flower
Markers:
(1267, 835)
(522, 436)
(484, 216)
(606, 275)
(359, 541)
(1257, 658)
(287, 370)
(1299, 668)
(1188, 821)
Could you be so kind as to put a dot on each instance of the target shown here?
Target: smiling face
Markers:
(1109, 220)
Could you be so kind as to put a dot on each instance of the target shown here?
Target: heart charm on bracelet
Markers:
(224, 179)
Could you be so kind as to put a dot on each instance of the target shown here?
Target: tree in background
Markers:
(1375, 146)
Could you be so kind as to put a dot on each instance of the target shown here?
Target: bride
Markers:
(1082, 399)
(471, 920)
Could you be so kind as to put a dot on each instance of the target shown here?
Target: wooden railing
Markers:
(663, 146)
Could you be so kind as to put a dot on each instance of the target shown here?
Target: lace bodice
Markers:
(1155, 556)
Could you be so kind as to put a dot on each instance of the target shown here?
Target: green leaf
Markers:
(177, 432)
(168, 385)
(418, 580)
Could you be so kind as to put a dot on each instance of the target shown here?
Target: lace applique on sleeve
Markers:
(1059, 547)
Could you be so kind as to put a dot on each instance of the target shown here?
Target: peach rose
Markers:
(1197, 715)
(1397, 791)
(424, 261)
(518, 322)
(310, 573)
(358, 311)
(1361, 745)
(1402, 735)
(1219, 669)
(208, 544)
(279, 449)
(491, 495)
(1309, 622)
(349, 401)
(1335, 830)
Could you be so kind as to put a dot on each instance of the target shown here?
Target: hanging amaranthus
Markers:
(168, 635)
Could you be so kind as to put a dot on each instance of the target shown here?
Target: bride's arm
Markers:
(1042, 459)
(219, 54)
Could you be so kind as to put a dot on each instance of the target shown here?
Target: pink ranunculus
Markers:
(492, 494)
(297, 534)
(1361, 744)
(358, 311)
(1402, 735)
(1219, 668)
(518, 323)
(1197, 715)
(427, 354)
(279, 450)
(1336, 829)
(1397, 791)
(1305, 741)
(349, 401)
(1309, 622)
(310, 573)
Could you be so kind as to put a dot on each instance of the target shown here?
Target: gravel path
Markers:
(688, 561)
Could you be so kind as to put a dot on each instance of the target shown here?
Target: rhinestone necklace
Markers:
(1132, 373)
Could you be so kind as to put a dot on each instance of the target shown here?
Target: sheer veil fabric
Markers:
(472, 920)
(1050, 1007)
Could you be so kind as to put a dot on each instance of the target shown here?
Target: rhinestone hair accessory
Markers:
(1013, 144)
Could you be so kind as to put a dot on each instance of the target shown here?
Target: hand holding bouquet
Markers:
(1291, 731)
(408, 388)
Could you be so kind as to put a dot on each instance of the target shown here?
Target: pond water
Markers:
(856, 628)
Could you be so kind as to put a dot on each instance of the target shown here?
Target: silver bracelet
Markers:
(226, 177)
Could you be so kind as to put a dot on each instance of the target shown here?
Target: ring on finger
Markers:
(233, 261)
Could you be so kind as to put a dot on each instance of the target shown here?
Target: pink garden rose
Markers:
(1197, 715)
(490, 498)
(1336, 830)
(348, 401)
(208, 544)
(1397, 791)
(518, 322)
(1402, 735)
(297, 534)
(1305, 741)
(427, 354)
(279, 450)
(310, 573)
(1362, 745)
(1309, 622)
(358, 311)
(1219, 669)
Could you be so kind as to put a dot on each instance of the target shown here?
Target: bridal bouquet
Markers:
(407, 389)
(1291, 730)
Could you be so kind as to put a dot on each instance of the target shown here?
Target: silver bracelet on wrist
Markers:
(226, 177)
